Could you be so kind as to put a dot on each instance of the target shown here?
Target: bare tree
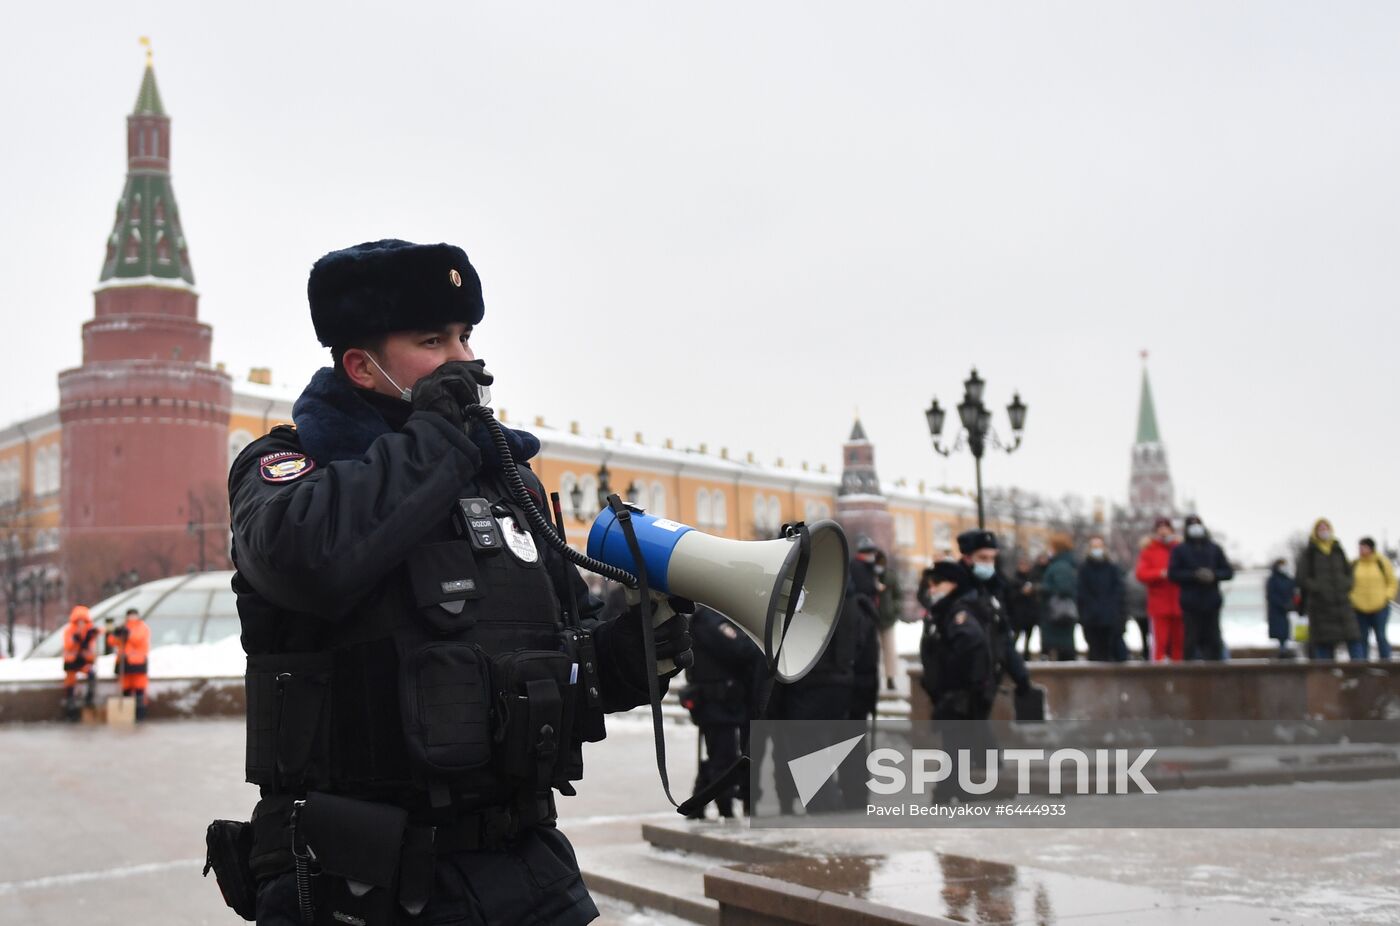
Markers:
(16, 536)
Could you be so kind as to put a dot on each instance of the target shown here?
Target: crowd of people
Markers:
(967, 652)
(1172, 592)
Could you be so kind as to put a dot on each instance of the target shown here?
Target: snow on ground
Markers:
(25, 638)
(224, 659)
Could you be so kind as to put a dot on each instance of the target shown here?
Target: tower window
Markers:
(162, 245)
(133, 246)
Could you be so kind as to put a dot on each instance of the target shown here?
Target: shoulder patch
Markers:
(284, 466)
(728, 630)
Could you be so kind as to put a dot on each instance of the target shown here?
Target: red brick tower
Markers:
(145, 418)
(861, 508)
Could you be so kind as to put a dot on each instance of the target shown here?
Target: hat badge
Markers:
(455, 277)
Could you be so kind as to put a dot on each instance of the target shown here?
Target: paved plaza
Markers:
(106, 825)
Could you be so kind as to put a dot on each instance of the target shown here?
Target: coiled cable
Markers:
(538, 521)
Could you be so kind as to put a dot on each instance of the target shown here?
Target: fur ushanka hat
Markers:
(377, 287)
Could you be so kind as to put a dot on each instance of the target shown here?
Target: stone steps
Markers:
(664, 880)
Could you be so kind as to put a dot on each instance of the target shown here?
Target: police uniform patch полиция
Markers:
(285, 466)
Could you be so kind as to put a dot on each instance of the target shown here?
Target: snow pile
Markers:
(224, 659)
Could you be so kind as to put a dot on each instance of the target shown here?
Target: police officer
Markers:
(824, 693)
(957, 655)
(720, 695)
(862, 613)
(422, 665)
(979, 557)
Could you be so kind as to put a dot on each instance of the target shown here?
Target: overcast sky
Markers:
(739, 222)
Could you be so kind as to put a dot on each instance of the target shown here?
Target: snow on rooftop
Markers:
(163, 282)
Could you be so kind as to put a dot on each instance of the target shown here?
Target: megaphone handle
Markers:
(662, 613)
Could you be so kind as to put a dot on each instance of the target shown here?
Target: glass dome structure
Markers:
(180, 610)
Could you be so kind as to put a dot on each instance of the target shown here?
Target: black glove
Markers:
(450, 388)
(672, 638)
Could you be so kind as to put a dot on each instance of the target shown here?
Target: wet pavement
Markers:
(107, 825)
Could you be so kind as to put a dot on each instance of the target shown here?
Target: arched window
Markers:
(589, 485)
(135, 217)
(162, 248)
(760, 514)
(904, 530)
(43, 467)
(942, 538)
(133, 246)
(55, 472)
(702, 508)
(719, 510)
(567, 481)
(775, 513)
(658, 499)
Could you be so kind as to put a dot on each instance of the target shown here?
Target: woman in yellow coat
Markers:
(1372, 589)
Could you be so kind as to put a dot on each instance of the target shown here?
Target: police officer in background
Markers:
(422, 665)
(979, 557)
(720, 694)
(959, 661)
(824, 693)
(862, 612)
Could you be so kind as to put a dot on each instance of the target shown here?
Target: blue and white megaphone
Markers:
(748, 581)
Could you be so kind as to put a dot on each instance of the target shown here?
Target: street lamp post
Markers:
(976, 433)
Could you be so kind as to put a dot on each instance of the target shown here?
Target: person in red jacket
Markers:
(79, 654)
(132, 644)
(1163, 595)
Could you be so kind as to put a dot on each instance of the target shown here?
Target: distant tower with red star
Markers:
(1150, 492)
(146, 416)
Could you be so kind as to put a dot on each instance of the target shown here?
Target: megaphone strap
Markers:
(629, 532)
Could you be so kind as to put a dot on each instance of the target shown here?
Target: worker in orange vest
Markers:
(132, 644)
(79, 654)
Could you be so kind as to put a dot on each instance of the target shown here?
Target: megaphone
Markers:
(748, 581)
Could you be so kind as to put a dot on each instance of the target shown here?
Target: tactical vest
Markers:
(457, 678)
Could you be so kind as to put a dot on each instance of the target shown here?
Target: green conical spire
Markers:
(148, 99)
(1147, 414)
(147, 241)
